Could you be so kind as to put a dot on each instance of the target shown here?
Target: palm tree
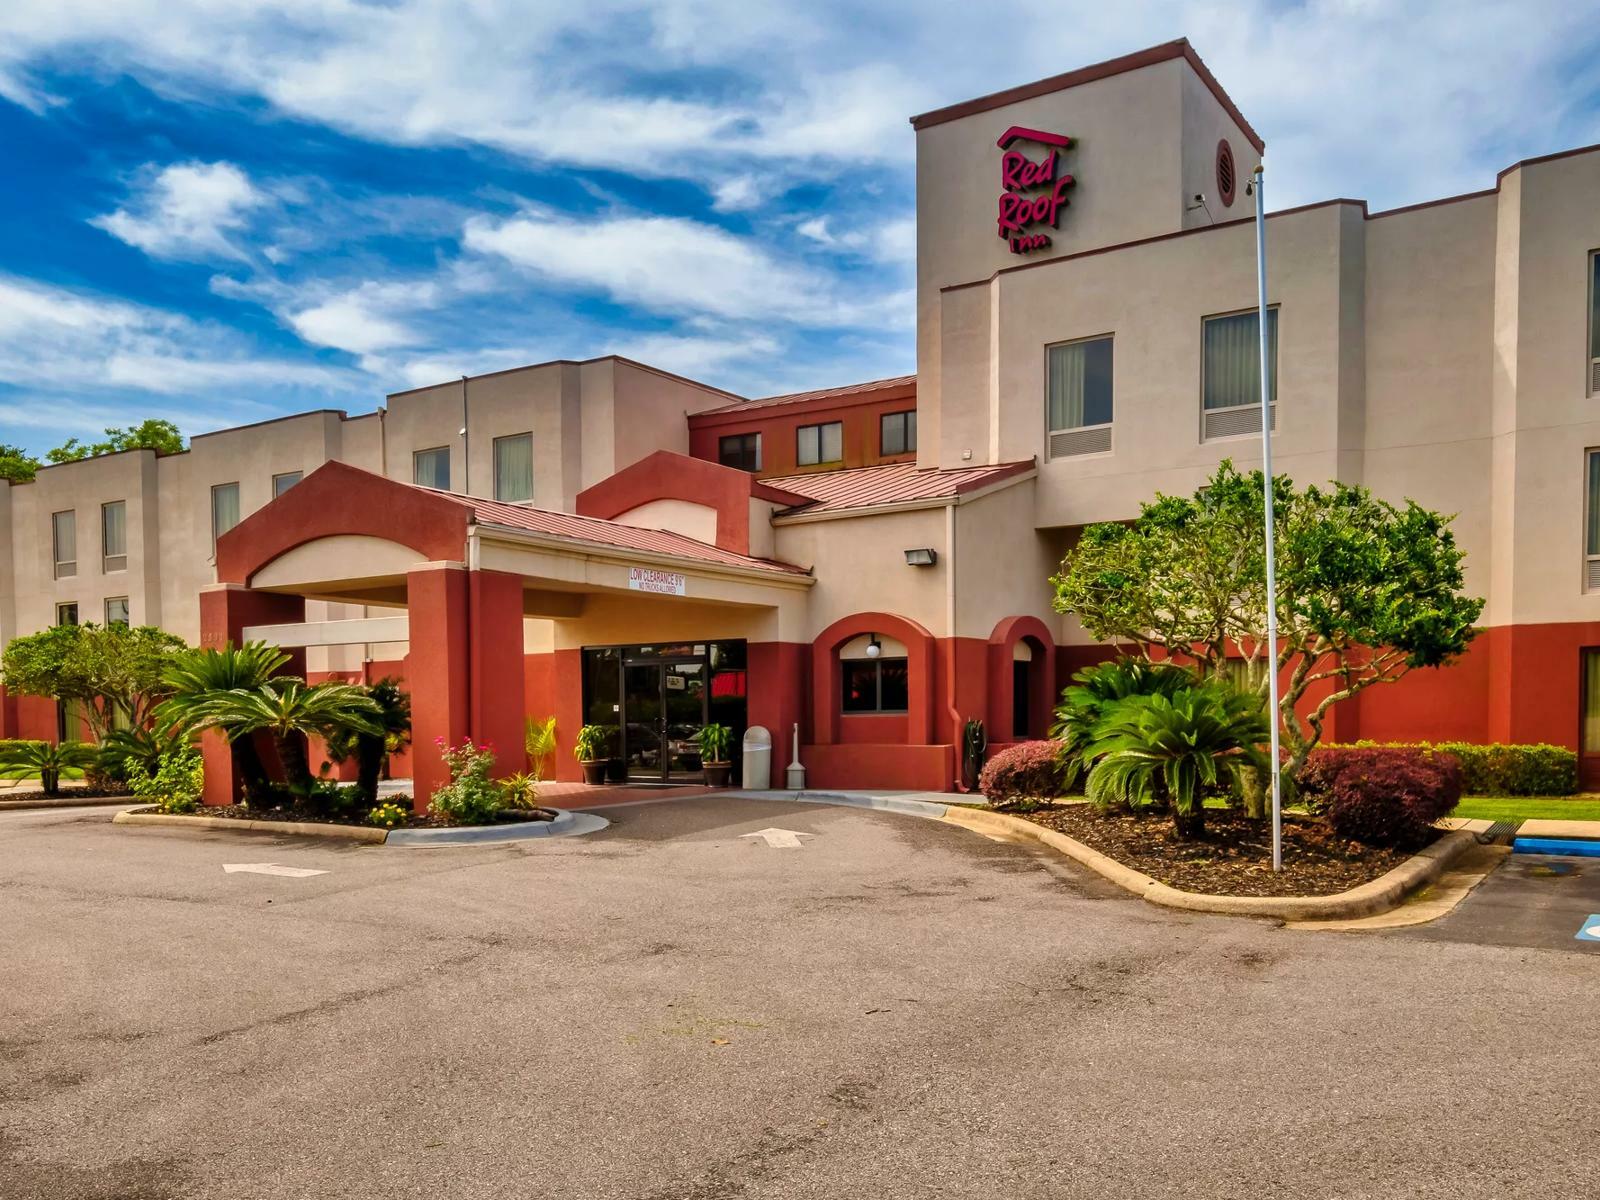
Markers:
(48, 762)
(539, 741)
(1094, 690)
(1171, 748)
(287, 709)
(195, 677)
(147, 747)
(371, 750)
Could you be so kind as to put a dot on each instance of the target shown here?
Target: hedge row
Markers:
(1381, 795)
(1501, 770)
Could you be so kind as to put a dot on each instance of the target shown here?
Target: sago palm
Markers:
(1094, 690)
(392, 716)
(1173, 748)
(48, 762)
(195, 677)
(539, 741)
(287, 709)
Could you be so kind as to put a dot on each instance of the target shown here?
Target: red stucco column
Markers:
(225, 610)
(438, 605)
(497, 686)
(777, 696)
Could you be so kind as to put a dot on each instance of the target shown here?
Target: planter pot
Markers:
(717, 774)
(594, 773)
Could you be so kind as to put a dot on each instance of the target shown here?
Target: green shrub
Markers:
(520, 791)
(1021, 777)
(471, 797)
(1094, 690)
(48, 762)
(1503, 770)
(177, 785)
(715, 742)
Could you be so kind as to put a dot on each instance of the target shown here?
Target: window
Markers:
(897, 433)
(114, 536)
(66, 614)
(224, 509)
(1231, 385)
(874, 685)
(64, 542)
(820, 444)
(513, 468)
(741, 450)
(1078, 390)
(1591, 522)
(116, 611)
(431, 468)
(282, 483)
(1594, 323)
(1591, 702)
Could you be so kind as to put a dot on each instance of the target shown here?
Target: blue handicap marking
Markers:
(1589, 931)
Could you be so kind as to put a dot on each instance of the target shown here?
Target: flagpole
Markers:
(1272, 562)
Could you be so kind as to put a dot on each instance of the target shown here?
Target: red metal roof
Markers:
(848, 392)
(614, 534)
(897, 483)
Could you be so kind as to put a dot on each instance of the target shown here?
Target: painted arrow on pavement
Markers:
(779, 839)
(270, 869)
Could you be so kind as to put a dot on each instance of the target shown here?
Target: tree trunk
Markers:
(296, 768)
(1191, 824)
(1254, 792)
(49, 783)
(248, 766)
(369, 765)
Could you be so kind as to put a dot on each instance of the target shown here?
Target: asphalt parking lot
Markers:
(668, 1009)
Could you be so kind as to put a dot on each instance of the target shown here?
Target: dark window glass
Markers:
(1594, 306)
(874, 685)
(898, 433)
(741, 450)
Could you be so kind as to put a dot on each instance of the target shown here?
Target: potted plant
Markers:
(592, 752)
(716, 744)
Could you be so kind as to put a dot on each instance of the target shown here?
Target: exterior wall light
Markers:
(874, 646)
(921, 558)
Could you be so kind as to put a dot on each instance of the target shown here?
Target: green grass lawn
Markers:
(1528, 808)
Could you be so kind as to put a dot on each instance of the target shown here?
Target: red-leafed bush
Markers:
(1028, 772)
(1382, 795)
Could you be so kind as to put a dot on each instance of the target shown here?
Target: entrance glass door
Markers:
(664, 707)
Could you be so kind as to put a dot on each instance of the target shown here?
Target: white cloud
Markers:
(666, 264)
(187, 211)
(356, 321)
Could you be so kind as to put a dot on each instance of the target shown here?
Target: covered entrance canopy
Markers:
(468, 575)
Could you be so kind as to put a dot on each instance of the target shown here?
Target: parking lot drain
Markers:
(1500, 833)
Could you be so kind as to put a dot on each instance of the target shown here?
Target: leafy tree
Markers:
(115, 672)
(16, 464)
(196, 677)
(150, 434)
(1367, 590)
(287, 709)
(1156, 749)
(393, 720)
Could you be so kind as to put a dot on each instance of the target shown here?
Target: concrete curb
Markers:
(566, 824)
(1378, 895)
(64, 802)
(350, 833)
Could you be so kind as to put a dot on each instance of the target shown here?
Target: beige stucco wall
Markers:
(698, 521)
(860, 566)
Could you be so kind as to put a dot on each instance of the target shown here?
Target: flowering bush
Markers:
(471, 797)
(1021, 776)
(177, 785)
(387, 816)
(1381, 795)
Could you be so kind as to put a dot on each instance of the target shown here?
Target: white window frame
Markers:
(1075, 441)
(1239, 420)
(908, 431)
(279, 487)
(215, 488)
(111, 563)
(494, 462)
(1591, 562)
(65, 607)
(64, 568)
(1593, 377)
(417, 454)
(127, 604)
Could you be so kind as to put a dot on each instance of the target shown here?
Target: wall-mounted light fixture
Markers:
(874, 646)
(923, 557)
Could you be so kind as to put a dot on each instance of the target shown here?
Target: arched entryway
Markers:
(1022, 679)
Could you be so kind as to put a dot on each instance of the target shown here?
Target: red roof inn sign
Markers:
(1024, 206)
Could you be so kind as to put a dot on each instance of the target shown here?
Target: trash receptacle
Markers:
(757, 758)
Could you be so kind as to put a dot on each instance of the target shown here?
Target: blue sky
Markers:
(220, 210)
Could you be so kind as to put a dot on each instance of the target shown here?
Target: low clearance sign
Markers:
(1034, 191)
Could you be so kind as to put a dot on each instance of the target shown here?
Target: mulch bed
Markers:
(1233, 859)
(412, 821)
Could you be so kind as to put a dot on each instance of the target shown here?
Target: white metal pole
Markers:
(1272, 562)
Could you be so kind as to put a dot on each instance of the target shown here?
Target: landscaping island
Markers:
(407, 819)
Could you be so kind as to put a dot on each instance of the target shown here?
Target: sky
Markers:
(219, 211)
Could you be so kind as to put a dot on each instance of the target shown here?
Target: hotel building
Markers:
(616, 545)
